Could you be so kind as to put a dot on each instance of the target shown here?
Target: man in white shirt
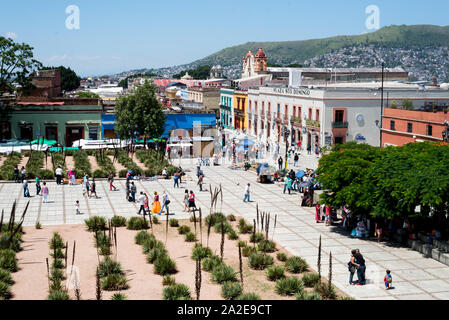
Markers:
(58, 174)
(142, 199)
(246, 197)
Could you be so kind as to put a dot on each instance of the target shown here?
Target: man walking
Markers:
(175, 179)
(361, 267)
(142, 200)
(280, 162)
(16, 174)
(26, 191)
(296, 159)
(93, 189)
(246, 197)
(165, 202)
(200, 181)
(38, 185)
(58, 174)
(133, 192)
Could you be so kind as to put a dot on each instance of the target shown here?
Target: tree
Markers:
(201, 72)
(16, 65)
(69, 79)
(394, 104)
(407, 104)
(87, 94)
(124, 83)
(140, 114)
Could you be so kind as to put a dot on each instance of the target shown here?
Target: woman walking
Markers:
(111, 181)
(192, 205)
(352, 268)
(45, 192)
(186, 201)
(317, 213)
(71, 176)
(156, 204)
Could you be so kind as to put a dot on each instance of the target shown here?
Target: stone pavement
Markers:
(414, 276)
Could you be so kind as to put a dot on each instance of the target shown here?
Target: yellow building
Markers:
(240, 110)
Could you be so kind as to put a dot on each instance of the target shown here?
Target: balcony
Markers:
(297, 121)
(339, 125)
(312, 123)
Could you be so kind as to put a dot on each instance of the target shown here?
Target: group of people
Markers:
(357, 264)
(89, 187)
(156, 208)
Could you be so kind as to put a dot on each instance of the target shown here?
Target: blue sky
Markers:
(118, 35)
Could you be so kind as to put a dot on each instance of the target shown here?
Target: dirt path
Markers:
(22, 162)
(118, 166)
(93, 163)
(49, 164)
(70, 163)
(2, 159)
(139, 164)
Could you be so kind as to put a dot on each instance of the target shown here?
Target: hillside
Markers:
(298, 51)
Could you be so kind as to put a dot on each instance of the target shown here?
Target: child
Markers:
(388, 280)
(77, 207)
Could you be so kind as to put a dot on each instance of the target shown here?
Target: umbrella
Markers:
(241, 148)
(247, 142)
(300, 174)
(43, 141)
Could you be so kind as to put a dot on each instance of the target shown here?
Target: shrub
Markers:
(231, 290)
(168, 280)
(5, 291)
(156, 253)
(164, 265)
(281, 256)
(109, 266)
(296, 265)
(266, 246)
(232, 235)
(56, 242)
(183, 229)
(257, 237)
(155, 219)
(100, 173)
(199, 252)
(142, 236)
(231, 217)
(244, 227)
(190, 237)
(137, 223)
(176, 292)
(326, 291)
(118, 221)
(275, 273)
(58, 295)
(45, 174)
(241, 244)
(259, 261)
(173, 223)
(5, 277)
(194, 219)
(56, 274)
(303, 295)
(122, 173)
(223, 273)
(119, 296)
(56, 285)
(58, 264)
(14, 244)
(310, 279)
(105, 250)
(247, 251)
(289, 286)
(57, 253)
(210, 263)
(8, 260)
(38, 225)
(95, 223)
(152, 243)
(248, 296)
(226, 227)
(114, 281)
(214, 218)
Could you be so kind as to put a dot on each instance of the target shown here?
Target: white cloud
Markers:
(11, 35)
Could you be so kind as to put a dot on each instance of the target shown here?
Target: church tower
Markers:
(260, 62)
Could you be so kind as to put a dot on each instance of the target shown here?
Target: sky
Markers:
(115, 36)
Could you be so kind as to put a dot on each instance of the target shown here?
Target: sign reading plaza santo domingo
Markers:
(303, 92)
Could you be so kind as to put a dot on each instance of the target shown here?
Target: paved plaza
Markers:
(414, 276)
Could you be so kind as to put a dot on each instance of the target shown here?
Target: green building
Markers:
(227, 108)
(61, 119)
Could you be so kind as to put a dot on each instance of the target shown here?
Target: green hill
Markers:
(297, 51)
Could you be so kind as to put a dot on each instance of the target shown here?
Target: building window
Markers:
(339, 115)
(317, 115)
(93, 133)
(409, 127)
(263, 107)
(5, 130)
(429, 130)
(26, 132)
(286, 111)
(392, 125)
(310, 113)
(269, 107)
(299, 113)
(255, 107)
(51, 133)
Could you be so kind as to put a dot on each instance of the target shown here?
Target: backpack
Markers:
(351, 267)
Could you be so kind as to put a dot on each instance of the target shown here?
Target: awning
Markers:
(40, 103)
(180, 145)
(44, 141)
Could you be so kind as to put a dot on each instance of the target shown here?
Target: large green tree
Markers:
(201, 72)
(140, 114)
(16, 65)
(69, 79)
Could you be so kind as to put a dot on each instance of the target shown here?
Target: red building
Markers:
(403, 126)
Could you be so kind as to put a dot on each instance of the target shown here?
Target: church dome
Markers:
(260, 53)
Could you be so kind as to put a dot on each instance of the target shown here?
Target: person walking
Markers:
(309, 149)
(58, 174)
(379, 229)
(45, 192)
(200, 181)
(127, 190)
(296, 159)
(388, 279)
(192, 205)
(85, 184)
(142, 200)
(16, 174)
(22, 174)
(165, 202)
(175, 179)
(146, 204)
(77, 207)
(328, 215)
(186, 200)
(111, 181)
(317, 213)
(246, 194)
(280, 162)
(156, 204)
(133, 190)
(26, 191)
(38, 185)
(71, 176)
(93, 189)
(361, 267)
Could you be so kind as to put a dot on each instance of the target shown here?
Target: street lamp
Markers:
(292, 121)
(286, 134)
(381, 104)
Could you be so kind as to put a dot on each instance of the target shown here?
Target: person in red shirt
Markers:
(327, 212)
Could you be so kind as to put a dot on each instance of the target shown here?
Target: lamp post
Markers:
(381, 104)
(286, 134)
